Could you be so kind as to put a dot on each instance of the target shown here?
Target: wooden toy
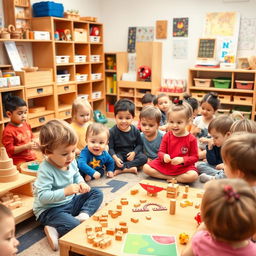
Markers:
(198, 218)
(183, 238)
(172, 206)
(98, 228)
(110, 231)
(136, 205)
(200, 195)
(119, 236)
(152, 190)
(148, 217)
(90, 239)
(134, 220)
(145, 208)
(134, 191)
(186, 188)
(197, 205)
(100, 234)
(143, 201)
(88, 228)
(185, 195)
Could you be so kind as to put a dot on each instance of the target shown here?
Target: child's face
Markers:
(97, 143)
(218, 138)
(178, 123)
(149, 127)
(163, 103)
(62, 156)
(8, 241)
(229, 172)
(124, 120)
(18, 116)
(207, 110)
(83, 115)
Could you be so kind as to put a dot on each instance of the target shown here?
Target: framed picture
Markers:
(14, 56)
(161, 29)
(206, 49)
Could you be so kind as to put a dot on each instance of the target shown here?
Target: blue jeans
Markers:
(63, 217)
(210, 170)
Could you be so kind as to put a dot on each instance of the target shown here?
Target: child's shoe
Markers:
(52, 237)
(205, 177)
(82, 216)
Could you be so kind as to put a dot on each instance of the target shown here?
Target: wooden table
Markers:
(161, 221)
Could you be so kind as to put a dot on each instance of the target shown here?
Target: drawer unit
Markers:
(224, 98)
(40, 120)
(243, 99)
(39, 91)
(66, 88)
(65, 114)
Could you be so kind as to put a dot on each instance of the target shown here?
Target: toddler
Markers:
(81, 119)
(17, 135)
(125, 144)
(219, 129)
(228, 210)
(178, 151)
(150, 117)
(62, 198)
(162, 102)
(8, 242)
(94, 158)
(244, 125)
(209, 105)
(193, 102)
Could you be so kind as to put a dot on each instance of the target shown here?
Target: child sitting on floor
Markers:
(150, 117)
(178, 151)
(244, 125)
(17, 136)
(81, 119)
(219, 129)
(8, 242)
(94, 158)
(125, 144)
(228, 210)
(62, 198)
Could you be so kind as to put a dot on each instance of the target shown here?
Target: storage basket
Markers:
(243, 99)
(96, 76)
(83, 96)
(81, 77)
(96, 95)
(224, 98)
(95, 58)
(63, 78)
(80, 35)
(198, 95)
(201, 82)
(95, 39)
(221, 82)
(48, 8)
(223, 111)
(245, 85)
(80, 58)
(62, 59)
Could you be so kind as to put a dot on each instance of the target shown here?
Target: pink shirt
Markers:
(204, 245)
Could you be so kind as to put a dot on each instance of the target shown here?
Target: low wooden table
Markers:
(161, 221)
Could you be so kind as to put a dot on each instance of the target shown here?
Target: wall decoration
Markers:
(132, 62)
(145, 34)
(131, 39)
(247, 34)
(180, 49)
(206, 48)
(180, 27)
(161, 29)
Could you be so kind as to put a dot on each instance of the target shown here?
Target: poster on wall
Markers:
(161, 29)
(247, 34)
(180, 27)
(180, 49)
(131, 39)
(145, 34)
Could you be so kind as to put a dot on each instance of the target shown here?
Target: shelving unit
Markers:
(148, 54)
(22, 187)
(113, 73)
(231, 98)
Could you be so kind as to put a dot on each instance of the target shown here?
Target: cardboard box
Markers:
(41, 35)
(80, 35)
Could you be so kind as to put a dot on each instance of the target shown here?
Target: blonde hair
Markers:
(80, 102)
(239, 151)
(152, 113)
(244, 125)
(181, 106)
(96, 129)
(56, 133)
(228, 209)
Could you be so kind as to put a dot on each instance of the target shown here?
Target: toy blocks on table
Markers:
(110, 231)
(172, 206)
(100, 234)
(105, 243)
(185, 195)
(151, 194)
(185, 203)
(172, 190)
(115, 214)
(134, 191)
(136, 205)
(96, 241)
(183, 238)
(88, 228)
(104, 224)
(143, 201)
(124, 201)
(134, 220)
(90, 239)
(119, 236)
(95, 217)
(119, 207)
(186, 188)
(148, 217)
(98, 228)
(200, 195)
(11, 201)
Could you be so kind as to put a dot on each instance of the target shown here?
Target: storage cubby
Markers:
(82, 50)
(84, 89)
(95, 33)
(64, 50)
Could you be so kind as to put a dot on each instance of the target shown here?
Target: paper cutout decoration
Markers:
(131, 39)
(180, 27)
(145, 34)
(161, 29)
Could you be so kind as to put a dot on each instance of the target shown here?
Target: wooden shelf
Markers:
(220, 89)
(136, 84)
(110, 71)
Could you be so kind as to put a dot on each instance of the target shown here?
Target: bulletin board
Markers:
(206, 48)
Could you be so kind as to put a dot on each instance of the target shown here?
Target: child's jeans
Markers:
(63, 217)
(139, 160)
(210, 170)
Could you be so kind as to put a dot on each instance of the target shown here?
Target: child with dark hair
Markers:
(17, 135)
(193, 102)
(125, 144)
(219, 129)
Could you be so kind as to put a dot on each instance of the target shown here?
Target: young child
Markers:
(150, 117)
(178, 151)
(81, 119)
(8, 242)
(244, 125)
(209, 104)
(219, 129)
(125, 144)
(17, 135)
(162, 102)
(228, 210)
(94, 158)
(193, 102)
(62, 198)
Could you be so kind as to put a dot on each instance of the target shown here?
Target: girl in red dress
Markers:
(178, 151)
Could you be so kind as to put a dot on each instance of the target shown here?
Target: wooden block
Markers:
(200, 195)
(95, 217)
(104, 224)
(186, 188)
(88, 228)
(119, 207)
(136, 205)
(124, 202)
(152, 194)
(123, 223)
(189, 202)
(98, 228)
(100, 234)
(185, 195)
(172, 206)
(119, 236)
(90, 239)
(143, 201)
(148, 217)
(110, 231)
(134, 220)
(104, 215)
(96, 241)
(197, 205)
(124, 229)
(183, 203)
(103, 218)
(134, 191)
(114, 214)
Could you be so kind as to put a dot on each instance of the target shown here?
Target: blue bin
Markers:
(48, 8)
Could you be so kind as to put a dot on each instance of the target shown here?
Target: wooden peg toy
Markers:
(172, 206)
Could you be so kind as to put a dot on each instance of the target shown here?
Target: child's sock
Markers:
(82, 216)
(205, 177)
(52, 237)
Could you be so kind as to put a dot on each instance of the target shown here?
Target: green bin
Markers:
(221, 82)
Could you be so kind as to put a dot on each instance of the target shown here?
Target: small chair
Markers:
(99, 117)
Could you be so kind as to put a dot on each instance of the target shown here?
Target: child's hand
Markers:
(210, 143)
(130, 156)
(204, 140)
(220, 166)
(84, 188)
(196, 130)
(96, 175)
(177, 160)
(31, 145)
(167, 158)
(110, 174)
(78, 152)
(118, 161)
(71, 189)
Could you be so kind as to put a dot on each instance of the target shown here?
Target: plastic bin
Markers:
(245, 85)
(221, 82)
(63, 78)
(48, 8)
(62, 59)
(201, 82)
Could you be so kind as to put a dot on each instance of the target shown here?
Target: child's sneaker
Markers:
(205, 177)
(82, 216)
(52, 237)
